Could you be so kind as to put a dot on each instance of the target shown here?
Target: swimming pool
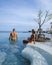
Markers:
(10, 54)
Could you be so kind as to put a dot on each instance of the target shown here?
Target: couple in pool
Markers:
(13, 37)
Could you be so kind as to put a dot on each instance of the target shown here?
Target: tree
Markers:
(41, 19)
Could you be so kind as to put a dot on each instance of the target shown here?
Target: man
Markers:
(13, 35)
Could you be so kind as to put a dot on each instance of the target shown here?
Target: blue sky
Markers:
(20, 14)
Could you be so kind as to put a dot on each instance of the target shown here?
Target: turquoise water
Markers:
(10, 54)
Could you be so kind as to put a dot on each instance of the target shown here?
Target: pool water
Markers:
(10, 54)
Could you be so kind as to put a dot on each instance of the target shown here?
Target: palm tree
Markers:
(41, 19)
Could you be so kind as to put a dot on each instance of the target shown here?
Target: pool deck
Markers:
(31, 50)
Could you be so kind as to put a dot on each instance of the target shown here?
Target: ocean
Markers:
(10, 54)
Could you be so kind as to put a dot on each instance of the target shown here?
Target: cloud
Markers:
(46, 4)
(21, 12)
(20, 16)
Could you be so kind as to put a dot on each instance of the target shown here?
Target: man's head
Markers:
(13, 29)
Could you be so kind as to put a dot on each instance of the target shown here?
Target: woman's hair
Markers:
(33, 31)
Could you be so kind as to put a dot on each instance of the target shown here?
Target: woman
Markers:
(31, 38)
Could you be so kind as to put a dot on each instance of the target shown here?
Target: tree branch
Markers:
(45, 18)
(36, 20)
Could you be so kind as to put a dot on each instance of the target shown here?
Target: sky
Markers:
(20, 14)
